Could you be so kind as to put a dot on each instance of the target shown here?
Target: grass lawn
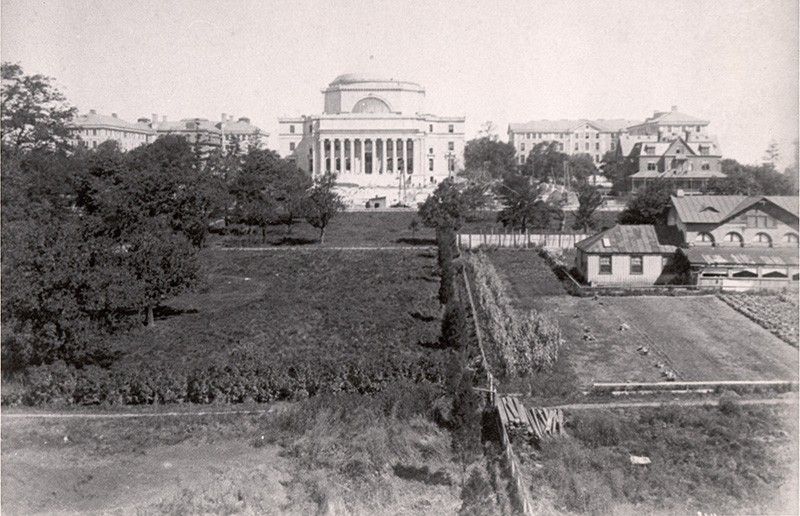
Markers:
(527, 275)
(318, 306)
(731, 459)
(373, 229)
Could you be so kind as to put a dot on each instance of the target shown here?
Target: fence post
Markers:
(470, 240)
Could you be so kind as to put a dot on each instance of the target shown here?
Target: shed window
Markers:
(605, 265)
(733, 237)
(790, 238)
(704, 238)
(762, 238)
(636, 265)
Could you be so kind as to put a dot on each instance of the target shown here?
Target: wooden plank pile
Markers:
(530, 424)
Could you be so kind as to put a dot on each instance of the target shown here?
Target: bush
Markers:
(53, 383)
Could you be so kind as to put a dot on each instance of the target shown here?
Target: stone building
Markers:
(374, 134)
(92, 129)
(592, 137)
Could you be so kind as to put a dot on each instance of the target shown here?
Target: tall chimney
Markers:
(92, 111)
(224, 118)
(154, 119)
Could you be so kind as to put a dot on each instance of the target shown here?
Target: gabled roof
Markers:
(712, 209)
(673, 117)
(92, 119)
(638, 239)
(742, 256)
(565, 126)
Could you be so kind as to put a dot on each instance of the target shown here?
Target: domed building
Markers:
(376, 137)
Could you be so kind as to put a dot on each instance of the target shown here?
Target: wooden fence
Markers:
(520, 239)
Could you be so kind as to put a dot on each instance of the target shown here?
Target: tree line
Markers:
(94, 240)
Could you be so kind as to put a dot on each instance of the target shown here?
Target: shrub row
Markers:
(259, 381)
(522, 342)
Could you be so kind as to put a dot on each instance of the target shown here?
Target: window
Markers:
(597, 158)
(762, 238)
(310, 129)
(697, 129)
(430, 150)
(291, 129)
(636, 265)
(760, 221)
(704, 149)
(521, 147)
(704, 239)
(705, 166)
(94, 144)
(577, 146)
(651, 165)
(522, 160)
(733, 237)
(586, 145)
(291, 146)
(450, 128)
(451, 165)
(597, 146)
(596, 135)
(452, 146)
(613, 145)
(790, 238)
(605, 265)
(649, 149)
(586, 135)
(94, 132)
(430, 128)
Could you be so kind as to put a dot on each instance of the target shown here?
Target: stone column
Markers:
(383, 155)
(403, 155)
(335, 141)
(361, 167)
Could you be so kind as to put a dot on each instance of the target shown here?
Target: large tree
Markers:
(322, 203)
(589, 199)
(581, 167)
(545, 162)
(649, 205)
(34, 113)
(489, 158)
(617, 169)
(523, 205)
(445, 207)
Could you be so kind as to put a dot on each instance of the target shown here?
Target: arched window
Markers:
(733, 237)
(371, 105)
(704, 239)
(763, 239)
(790, 238)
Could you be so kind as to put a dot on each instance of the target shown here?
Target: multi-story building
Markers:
(592, 137)
(373, 133)
(92, 129)
(689, 161)
(665, 126)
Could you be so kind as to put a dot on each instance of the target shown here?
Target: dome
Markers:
(355, 78)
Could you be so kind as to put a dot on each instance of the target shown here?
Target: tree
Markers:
(445, 207)
(617, 169)
(581, 167)
(476, 197)
(488, 130)
(34, 113)
(414, 227)
(466, 421)
(163, 262)
(523, 206)
(751, 180)
(488, 157)
(649, 205)
(772, 155)
(589, 199)
(322, 204)
(477, 496)
(290, 193)
(545, 162)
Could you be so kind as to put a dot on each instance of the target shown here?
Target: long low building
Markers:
(733, 268)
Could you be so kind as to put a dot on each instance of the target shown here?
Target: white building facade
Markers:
(374, 135)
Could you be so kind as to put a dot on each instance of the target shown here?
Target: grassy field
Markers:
(362, 454)
(321, 306)
(731, 459)
(527, 275)
(377, 229)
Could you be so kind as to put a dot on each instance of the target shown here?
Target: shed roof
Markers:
(634, 239)
(742, 256)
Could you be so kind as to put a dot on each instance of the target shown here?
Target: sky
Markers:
(732, 62)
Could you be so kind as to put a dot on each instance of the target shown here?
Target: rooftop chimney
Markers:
(154, 118)
(224, 117)
(674, 108)
(114, 115)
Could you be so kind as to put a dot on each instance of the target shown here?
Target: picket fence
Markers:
(520, 239)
